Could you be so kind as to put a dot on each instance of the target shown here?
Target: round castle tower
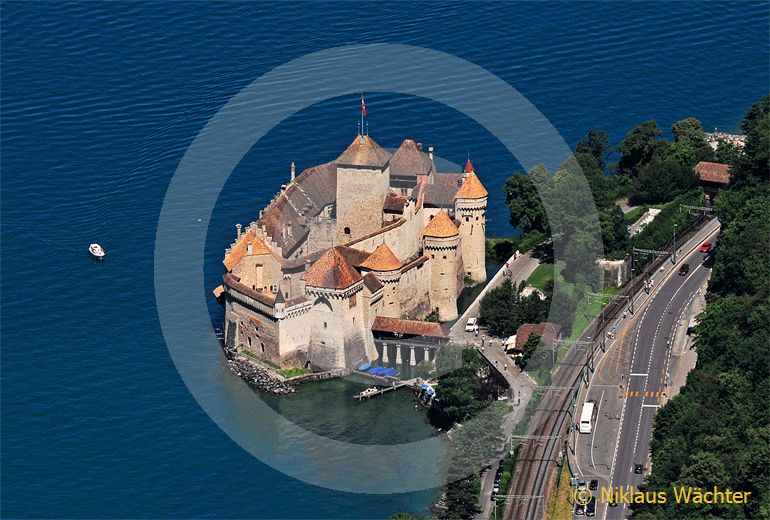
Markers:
(441, 241)
(387, 268)
(471, 211)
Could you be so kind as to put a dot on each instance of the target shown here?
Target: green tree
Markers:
(524, 204)
(638, 147)
(597, 144)
(533, 341)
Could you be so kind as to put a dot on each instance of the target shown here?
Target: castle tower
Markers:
(441, 241)
(340, 336)
(471, 211)
(387, 268)
(363, 180)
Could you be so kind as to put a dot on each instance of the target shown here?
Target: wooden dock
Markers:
(396, 385)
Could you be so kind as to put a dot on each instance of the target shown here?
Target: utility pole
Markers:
(674, 245)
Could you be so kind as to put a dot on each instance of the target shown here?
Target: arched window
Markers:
(347, 230)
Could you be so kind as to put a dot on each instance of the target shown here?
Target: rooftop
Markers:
(441, 226)
(410, 160)
(713, 172)
(471, 188)
(331, 271)
(364, 151)
(382, 259)
(241, 249)
(410, 327)
(546, 330)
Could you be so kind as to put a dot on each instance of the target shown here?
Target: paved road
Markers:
(633, 378)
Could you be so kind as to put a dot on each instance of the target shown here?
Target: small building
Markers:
(546, 330)
(712, 177)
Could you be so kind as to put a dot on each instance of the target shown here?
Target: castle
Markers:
(369, 234)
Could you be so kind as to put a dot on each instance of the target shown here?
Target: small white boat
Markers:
(96, 251)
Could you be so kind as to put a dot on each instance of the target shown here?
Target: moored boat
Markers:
(97, 251)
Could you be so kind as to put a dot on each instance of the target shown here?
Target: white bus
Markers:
(586, 416)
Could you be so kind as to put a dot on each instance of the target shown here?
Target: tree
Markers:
(690, 132)
(596, 144)
(638, 147)
(753, 165)
(524, 204)
(533, 341)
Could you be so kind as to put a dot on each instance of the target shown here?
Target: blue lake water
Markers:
(99, 103)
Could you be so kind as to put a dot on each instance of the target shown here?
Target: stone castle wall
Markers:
(472, 216)
(360, 196)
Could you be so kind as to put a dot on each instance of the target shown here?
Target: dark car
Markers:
(638, 468)
(579, 509)
(493, 497)
(593, 485)
(684, 269)
(591, 507)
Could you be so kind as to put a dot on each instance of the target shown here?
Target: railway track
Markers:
(534, 465)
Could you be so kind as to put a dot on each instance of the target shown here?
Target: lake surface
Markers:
(99, 103)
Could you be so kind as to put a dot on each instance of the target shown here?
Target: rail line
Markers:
(533, 468)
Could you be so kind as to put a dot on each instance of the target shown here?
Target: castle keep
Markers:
(368, 234)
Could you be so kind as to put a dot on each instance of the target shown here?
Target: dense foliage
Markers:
(504, 308)
(716, 432)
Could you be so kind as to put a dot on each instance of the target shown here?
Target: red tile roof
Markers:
(394, 203)
(471, 188)
(241, 249)
(441, 226)
(713, 172)
(546, 330)
(410, 327)
(382, 259)
(331, 271)
(468, 167)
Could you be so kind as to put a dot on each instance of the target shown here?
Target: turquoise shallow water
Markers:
(99, 102)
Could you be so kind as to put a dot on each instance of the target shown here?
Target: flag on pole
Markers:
(363, 106)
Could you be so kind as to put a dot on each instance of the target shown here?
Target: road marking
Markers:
(599, 409)
(650, 406)
(639, 375)
(667, 276)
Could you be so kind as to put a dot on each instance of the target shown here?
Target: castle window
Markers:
(324, 324)
(249, 340)
(347, 230)
(444, 257)
(263, 346)
(477, 218)
(467, 218)
(352, 302)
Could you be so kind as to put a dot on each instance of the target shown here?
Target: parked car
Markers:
(593, 485)
(580, 509)
(684, 269)
(581, 484)
(638, 468)
(472, 325)
(591, 507)
(706, 247)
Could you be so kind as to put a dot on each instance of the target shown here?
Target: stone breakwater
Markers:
(258, 377)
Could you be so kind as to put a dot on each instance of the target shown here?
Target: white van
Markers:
(472, 325)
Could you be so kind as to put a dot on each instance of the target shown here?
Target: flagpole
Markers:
(362, 113)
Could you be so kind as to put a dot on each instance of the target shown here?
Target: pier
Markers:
(380, 391)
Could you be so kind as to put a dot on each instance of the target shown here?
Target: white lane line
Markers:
(640, 375)
(650, 406)
(596, 425)
(665, 277)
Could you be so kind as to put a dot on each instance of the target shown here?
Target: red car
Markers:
(706, 247)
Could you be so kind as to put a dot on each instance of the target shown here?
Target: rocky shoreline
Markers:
(258, 377)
